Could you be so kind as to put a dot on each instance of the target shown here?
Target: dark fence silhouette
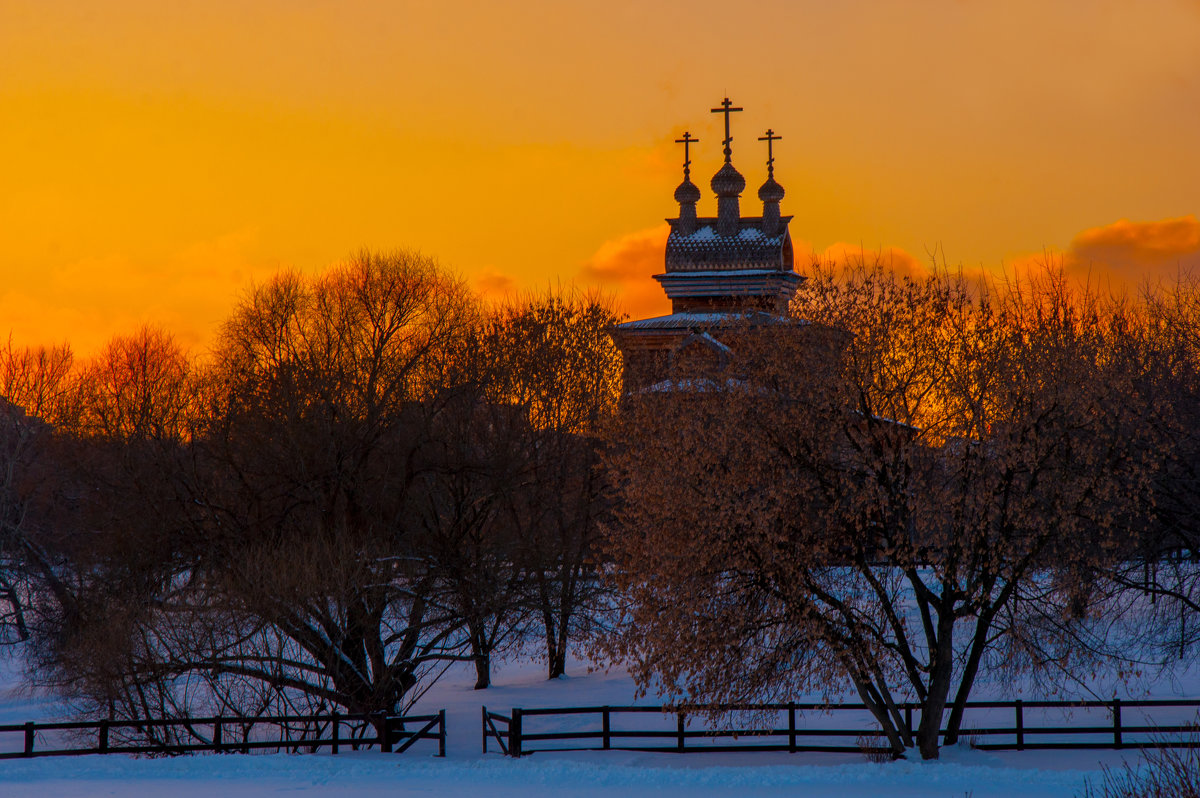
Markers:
(335, 731)
(988, 725)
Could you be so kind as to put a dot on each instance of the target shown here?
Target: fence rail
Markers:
(1158, 725)
(392, 733)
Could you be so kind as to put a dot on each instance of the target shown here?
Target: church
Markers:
(720, 271)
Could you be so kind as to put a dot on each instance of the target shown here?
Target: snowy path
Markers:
(379, 774)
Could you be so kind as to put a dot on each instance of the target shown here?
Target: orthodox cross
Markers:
(727, 110)
(770, 138)
(687, 141)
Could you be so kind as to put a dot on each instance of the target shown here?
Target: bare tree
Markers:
(36, 391)
(326, 394)
(246, 538)
(515, 501)
(40, 381)
(101, 543)
(556, 363)
(472, 466)
(139, 387)
(16, 449)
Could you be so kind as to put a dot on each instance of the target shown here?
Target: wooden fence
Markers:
(782, 727)
(334, 731)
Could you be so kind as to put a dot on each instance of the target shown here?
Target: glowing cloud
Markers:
(1122, 255)
(1140, 245)
(494, 285)
(897, 260)
(625, 267)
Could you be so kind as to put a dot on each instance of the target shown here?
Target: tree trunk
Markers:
(483, 671)
(929, 732)
(555, 665)
(558, 650)
(982, 628)
(558, 662)
(879, 705)
(481, 655)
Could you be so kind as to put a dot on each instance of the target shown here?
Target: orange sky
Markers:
(157, 157)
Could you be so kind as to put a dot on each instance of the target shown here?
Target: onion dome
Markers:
(770, 191)
(687, 195)
(687, 192)
(728, 182)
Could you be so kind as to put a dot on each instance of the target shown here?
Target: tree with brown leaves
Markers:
(914, 485)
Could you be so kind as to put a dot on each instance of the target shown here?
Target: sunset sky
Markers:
(158, 157)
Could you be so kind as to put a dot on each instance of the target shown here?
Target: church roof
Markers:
(704, 249)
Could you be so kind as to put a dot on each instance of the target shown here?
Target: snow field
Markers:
(466, 772)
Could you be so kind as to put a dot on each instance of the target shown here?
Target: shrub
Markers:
(1166, 773)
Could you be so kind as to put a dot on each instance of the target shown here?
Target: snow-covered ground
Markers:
(466, 771)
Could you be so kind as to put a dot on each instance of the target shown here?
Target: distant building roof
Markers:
(702, 321)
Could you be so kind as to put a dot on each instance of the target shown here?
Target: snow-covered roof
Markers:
(704, 249)
(701, 321)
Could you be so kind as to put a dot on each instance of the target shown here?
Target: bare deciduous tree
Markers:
(555, 361)
(37, 390)
(325, 394)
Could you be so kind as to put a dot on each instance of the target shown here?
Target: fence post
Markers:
(514, 733)
(607, 727)
(442, 733)
(29, 732)
(337, 727)
(1117, 723)
(217, 735)
(791, 727)
(680, 725)
(385, 732)
(1020, 709)
(483, 726)
(908, 722)
(103, 737)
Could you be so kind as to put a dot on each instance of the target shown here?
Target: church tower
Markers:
(719, 271)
